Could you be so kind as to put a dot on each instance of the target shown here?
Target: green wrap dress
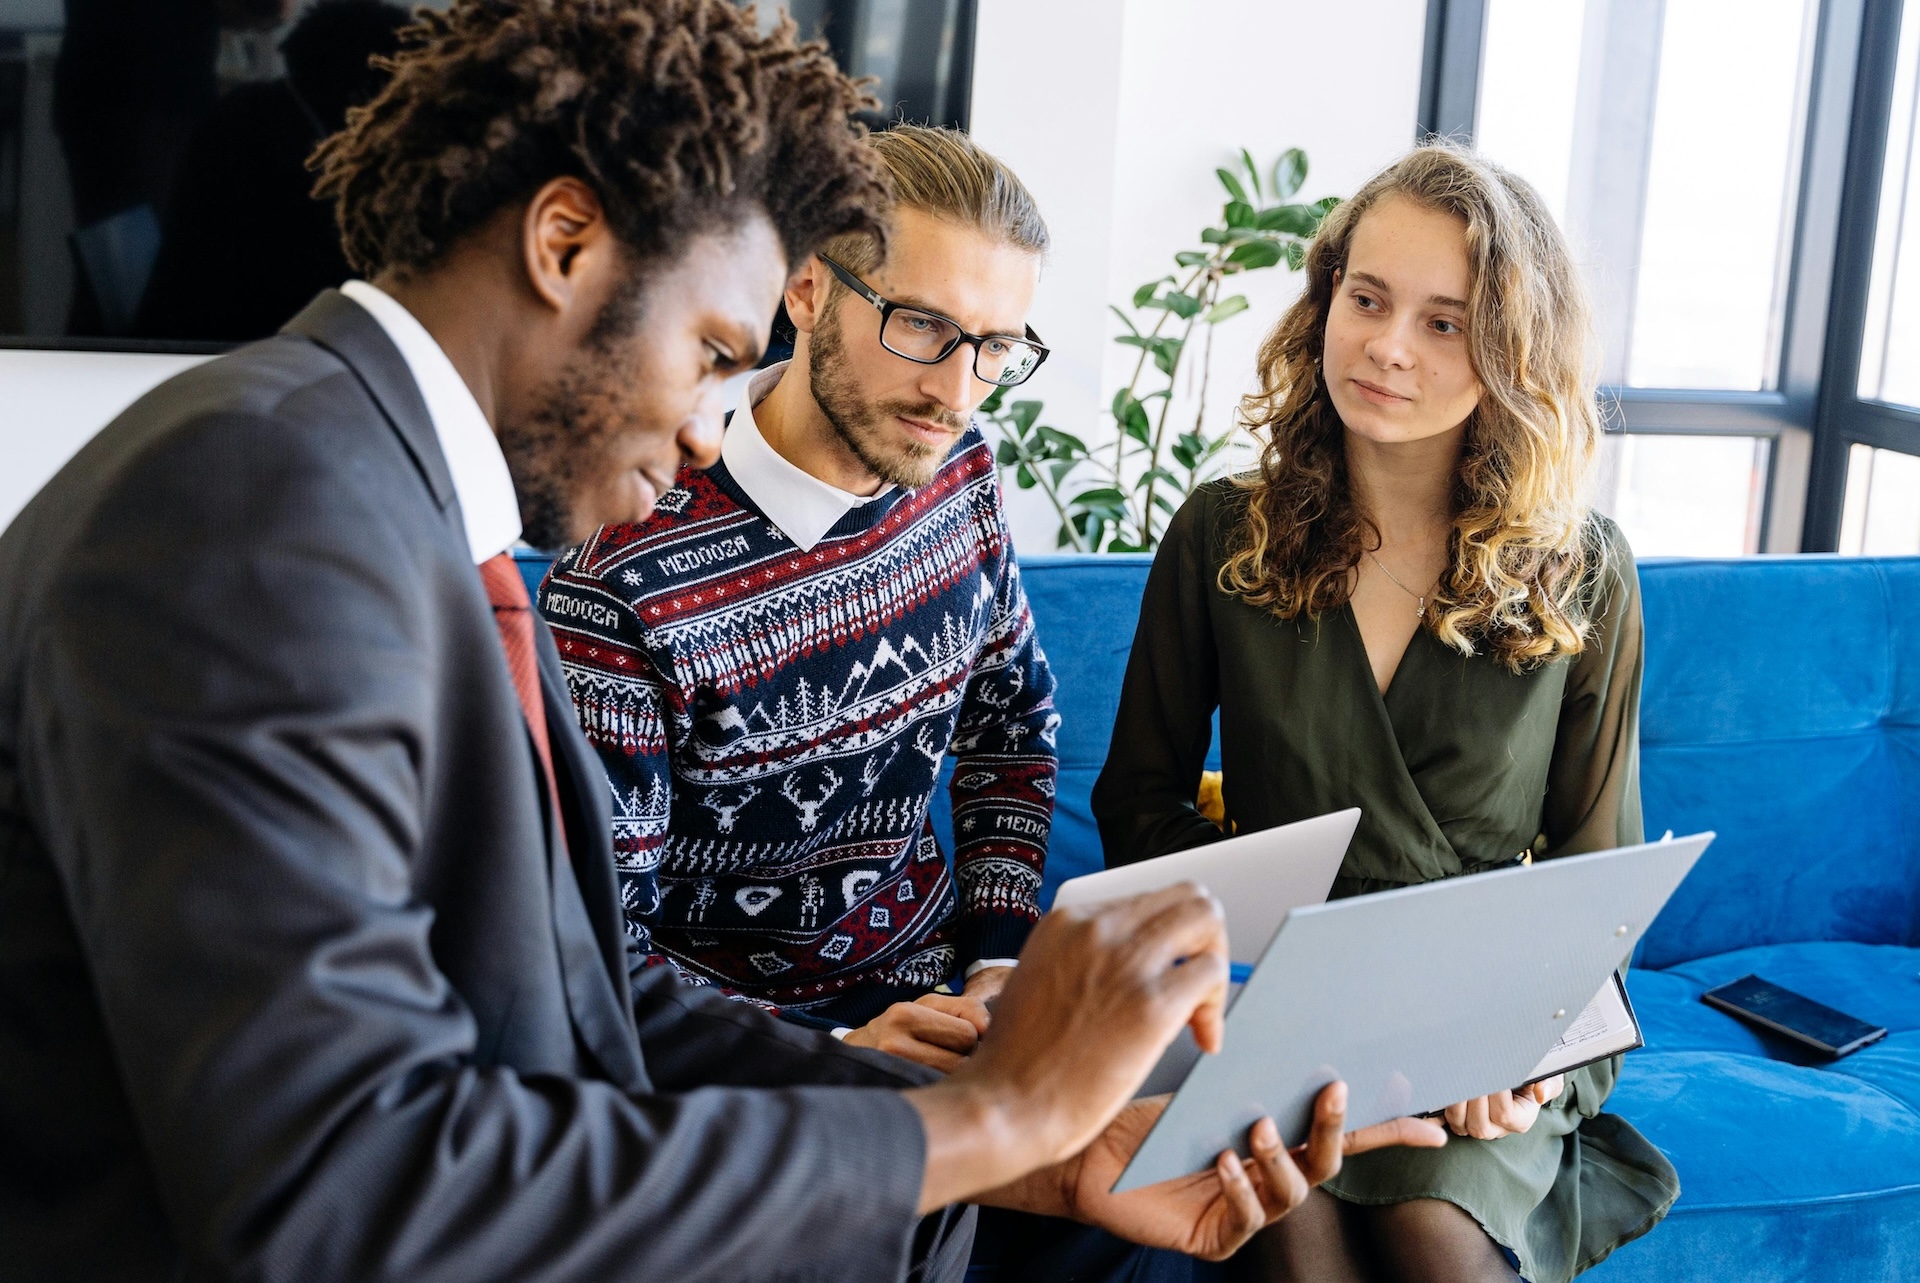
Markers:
(1461, 766)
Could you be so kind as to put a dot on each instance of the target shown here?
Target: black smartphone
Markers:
(1832, 1033)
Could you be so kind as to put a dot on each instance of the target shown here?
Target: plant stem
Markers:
(1046, 486)
(1159, 436)
(1200, 415)
(1140, 365)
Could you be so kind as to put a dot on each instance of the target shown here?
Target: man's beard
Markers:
(565, 438)
(864, 428)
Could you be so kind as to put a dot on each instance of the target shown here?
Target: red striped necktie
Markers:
(513, 616)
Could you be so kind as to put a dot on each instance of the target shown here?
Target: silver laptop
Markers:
(1418, 998)
(1257, 877)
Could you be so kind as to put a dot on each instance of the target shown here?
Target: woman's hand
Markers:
(1211, 1213)
(1505, 1113)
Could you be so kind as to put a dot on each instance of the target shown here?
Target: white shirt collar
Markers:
(801, 504)
(480, 477)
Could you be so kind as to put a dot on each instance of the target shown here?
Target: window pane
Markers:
(1890, 347)
(1882, 513)
(1725, 135)
(1644, 123)
(1679, 496)
(1529, 75)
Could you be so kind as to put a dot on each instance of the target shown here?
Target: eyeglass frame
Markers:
(888, 307)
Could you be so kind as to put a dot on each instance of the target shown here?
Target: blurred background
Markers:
(1734, 175)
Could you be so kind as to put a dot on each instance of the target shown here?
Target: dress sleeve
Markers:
(1144, 800)
(1593, 782)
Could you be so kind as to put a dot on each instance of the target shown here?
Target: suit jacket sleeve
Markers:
(228, 707)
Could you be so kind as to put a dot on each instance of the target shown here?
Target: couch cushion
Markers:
(1877, 983)
(1781, 708)
(1790, 1167)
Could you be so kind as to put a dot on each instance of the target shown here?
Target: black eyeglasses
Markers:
(929, 338)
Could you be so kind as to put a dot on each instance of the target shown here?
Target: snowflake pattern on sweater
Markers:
(773, 724)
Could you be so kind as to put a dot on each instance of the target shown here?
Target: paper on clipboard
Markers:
(1605, 1028)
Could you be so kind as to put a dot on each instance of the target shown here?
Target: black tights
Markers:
(1325, 1240)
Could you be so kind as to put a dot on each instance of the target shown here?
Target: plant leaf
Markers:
(1295, 220)
(1145, 292)
(1289, 172)
(1239, 214)
(1166, 354)
(1023, 413)
(1005, 454)
(1155, 474)
(1066, 442)
(1326, 205)
(1253, 171)
(1224, 308)
(992, 403)
(1131, 415)
(1191, 258)
(1024, 478)
(1216, 236)
(1124, 320)
(1257, 254)
(1296, 255)
(1232, 184)
(1184, 306)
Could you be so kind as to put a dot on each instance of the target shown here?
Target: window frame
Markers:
(1816, 413)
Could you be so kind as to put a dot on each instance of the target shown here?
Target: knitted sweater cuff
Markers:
(992, 935)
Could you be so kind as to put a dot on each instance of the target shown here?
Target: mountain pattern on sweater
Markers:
(773, 723)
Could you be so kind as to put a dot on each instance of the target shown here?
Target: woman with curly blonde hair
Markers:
(1409, 607)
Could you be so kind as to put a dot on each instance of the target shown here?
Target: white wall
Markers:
(52, 402)
(1116, 113)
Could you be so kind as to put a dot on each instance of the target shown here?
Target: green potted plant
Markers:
(1118, 498)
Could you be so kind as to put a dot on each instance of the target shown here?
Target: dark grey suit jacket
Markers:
(291, 983)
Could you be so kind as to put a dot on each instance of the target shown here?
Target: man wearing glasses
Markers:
(774, 666)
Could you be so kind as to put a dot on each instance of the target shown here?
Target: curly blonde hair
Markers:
(1523, 549)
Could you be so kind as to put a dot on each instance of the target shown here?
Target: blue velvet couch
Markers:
(1781, 708)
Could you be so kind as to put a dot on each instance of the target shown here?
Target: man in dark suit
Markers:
(311, 964)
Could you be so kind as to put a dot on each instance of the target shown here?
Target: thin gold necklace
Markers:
(1420, 610)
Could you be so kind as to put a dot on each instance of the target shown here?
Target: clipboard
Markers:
(1412, 999)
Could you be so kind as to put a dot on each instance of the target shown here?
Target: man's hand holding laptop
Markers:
(1042, 1117)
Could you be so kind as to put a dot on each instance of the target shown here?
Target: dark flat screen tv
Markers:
(153, 189)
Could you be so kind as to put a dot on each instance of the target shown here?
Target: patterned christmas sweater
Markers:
(773, 723)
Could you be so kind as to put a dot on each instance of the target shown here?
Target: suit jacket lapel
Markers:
(346, 329)
(586, 913)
